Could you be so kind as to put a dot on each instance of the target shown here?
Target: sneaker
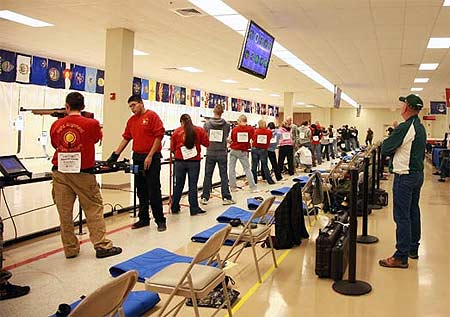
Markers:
(227, 201)
(413, 255)
(140, 224)
(392, 262)
(204, 201)
(104, 253)
(9, 291)
(162, 227)
(442, 180)
(437, 173)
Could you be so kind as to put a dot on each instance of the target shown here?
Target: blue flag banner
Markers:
(100, 87)
(7, 66)
(39, 71)
(137, 84)
(78, 77)
(55, 78)
(165, 93)
(144, 89)
(90, 79)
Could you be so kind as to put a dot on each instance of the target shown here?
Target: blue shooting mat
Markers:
(203, 236)
(301, 179)
(233, 213)
(253, 203)
(280, 191)
(149, 263)
(136, 304)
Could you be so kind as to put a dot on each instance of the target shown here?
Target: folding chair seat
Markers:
(193, 280)
(249, 234)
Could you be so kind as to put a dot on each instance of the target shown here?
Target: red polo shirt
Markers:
(143, 130)
(177, 141)
(263, 141)
(239, 133)
(75, 133)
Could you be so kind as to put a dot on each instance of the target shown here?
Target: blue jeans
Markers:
(242, 156)
(406, 192)
(260, 155)
(192, 169)
(316, 151)
(210, 164)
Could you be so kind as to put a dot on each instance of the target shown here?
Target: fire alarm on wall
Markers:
(112, 96)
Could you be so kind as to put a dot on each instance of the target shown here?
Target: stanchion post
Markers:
(134, 194)
(365, 238)
(379, 166)
(352, 286)
(373, 204)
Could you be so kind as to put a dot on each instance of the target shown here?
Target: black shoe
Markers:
(413, 255)
(437, 173)
(442, 180)
(162, 226)
(104, 253)
(5, 275)
(72, 256)
(140, 224)
(9, 291)
(198, 212)
(175, 212)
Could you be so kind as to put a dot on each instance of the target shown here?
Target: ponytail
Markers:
(189, 131)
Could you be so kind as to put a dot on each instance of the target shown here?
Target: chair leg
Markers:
(273, 252)
(256, 263)
(227, 298)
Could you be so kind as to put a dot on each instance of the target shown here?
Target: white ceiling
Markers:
(370, 48)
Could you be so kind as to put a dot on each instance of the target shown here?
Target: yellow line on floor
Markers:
(266, 275)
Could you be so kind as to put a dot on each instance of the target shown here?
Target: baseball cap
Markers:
(413, 101)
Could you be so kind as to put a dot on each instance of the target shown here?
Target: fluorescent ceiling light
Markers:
(236, 22)
(439, 42)
(274, 95)
(227, 15)
(428, 66)
(255, 89)
(309, 106)
(228, 81)
(300, 103)
(214, 7)
(416, 89)
(421, 80)
(446, 3)
(190, 69)
(22, 19)
(139, 53)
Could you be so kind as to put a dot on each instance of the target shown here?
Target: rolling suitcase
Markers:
(324, 243)
(339, 256)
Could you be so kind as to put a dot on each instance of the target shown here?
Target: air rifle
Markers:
(55, 112)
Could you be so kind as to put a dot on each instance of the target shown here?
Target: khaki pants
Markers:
(66, 187)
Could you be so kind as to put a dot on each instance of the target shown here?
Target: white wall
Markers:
(376, 119)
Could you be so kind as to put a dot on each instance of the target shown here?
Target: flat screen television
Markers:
(256, 51)
(11, 167)
(438, 107)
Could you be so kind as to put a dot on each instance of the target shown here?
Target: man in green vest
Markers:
(406, 147)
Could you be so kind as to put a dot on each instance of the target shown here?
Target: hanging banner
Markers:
(447, 96)
(23, 68)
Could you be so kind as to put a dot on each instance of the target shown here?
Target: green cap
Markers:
(413, 101)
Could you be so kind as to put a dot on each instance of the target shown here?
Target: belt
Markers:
(83, 170)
